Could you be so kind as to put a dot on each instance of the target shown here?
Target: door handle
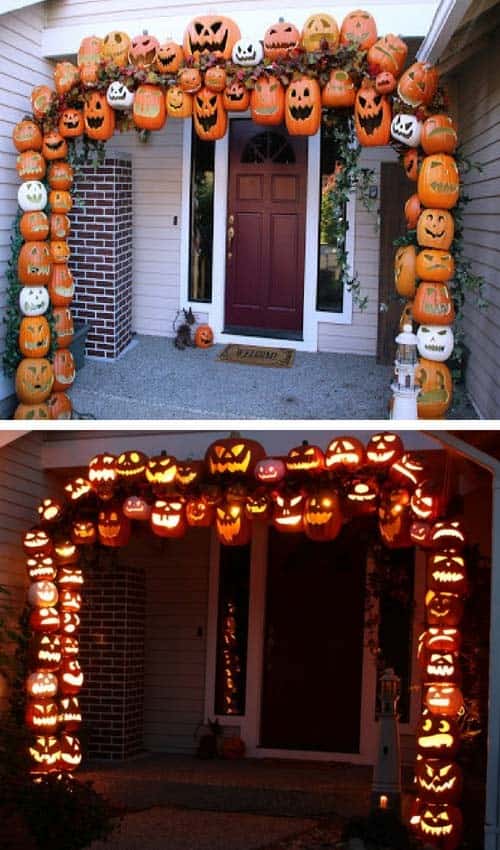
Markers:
(230, 237)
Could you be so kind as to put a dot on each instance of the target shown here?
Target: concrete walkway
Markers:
(153, 380)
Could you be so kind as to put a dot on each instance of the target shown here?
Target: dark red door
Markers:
(313, 650)
(265, 231)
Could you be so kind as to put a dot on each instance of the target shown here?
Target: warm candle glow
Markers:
(383, 801)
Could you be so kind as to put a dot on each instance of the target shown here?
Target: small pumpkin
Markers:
(34, 336)
(179, 103)
(267, 101)
(436, 389)
(303, 106)
(439, 182)
(232, 524)
(435, 342)
(412, 162)
(360, 28)
(54, 146)
(322, 515)
(204, 336)
(113, 526)
(98, 116)
(198, 513)
(149, 110)
(385, 82)
(168, 517)
(60, 201)
(60, 175)
(435, 229)
(169, 57)
(64, 329)
(405, 277)
(407, 129)
(31, 165)
(143, 51)
(59, 251)
(413, 210)
(236, 97)
(190, 80)
(41, 101)
(210, 117)
(280, 39)
(60, 406)
(119, 96)
(215, 78)
(31, 411)
(339, 90)
(26, 136)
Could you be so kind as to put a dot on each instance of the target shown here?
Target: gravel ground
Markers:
(153, 380)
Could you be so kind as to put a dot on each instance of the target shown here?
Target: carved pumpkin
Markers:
(213, 35)
(305, 459)
(436, 389)
(70, 577)
(435, 342)
(45, 620)
(61, 285)
(71, 123)
(407, 471)
(189, 472)
(190, 80)
(247, 52)
(70, 716)
(34, 336)
(41, 566)
(359, 27)
(233, 456)
(444, 699)
(433, 304)
(98, 116)
(59, 251)
(43, 594)
(169, 57)
(168, 517)
(26, 136)
(412, 162)
(384, 449)
(63, 324)
(439, 781)
(439, 135)
(361, 496)
(77, 489)
(115, 48)
(270, 470)
(179, 103)
(42, 684)
(33, 300)
(45, 753)
(113, 527)
(34, 226)
(65, 551)
(232, 524)
(149, 110)
(119, 96)
(71, 756)
(303, 107)
(405, 277)
(413, 210)
(31, 165)
(446, 572)
(319, 30)
(339, 90)
(60, 175)
(198, 513)
(102, 475)
(41, 101)
(441, 823)
(394, 518)
(143, 50)
(385, 82)
(54, 146)
(427, 500)
(37, 541)
(447, 534)
(439, 182)
(280, 40)
(70, 622)
(88, 59)
(434, 265)
(236, 97)
(443, 609)
(131, 466)
(210, 117)
(258, 505)
(33, 264)
(344, 454)
(83, 532)
(70, 599)
(50, 510)
(60, 201)
(418, 85)
(204, 336)
(46, 651)
(267, 101)
(388, 53)
(215, 78)
(42, 715)
(288, 514)
(440, 666)
(440, 639)
(322, 515)
(406, 129)
(161, 470)
(60, 226)
(372, 116)
(435, 229)
(34, 380)
(70, 677)
(64, 369)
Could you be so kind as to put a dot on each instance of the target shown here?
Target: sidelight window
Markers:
(232, 630)
(332, 232)
(201, 219)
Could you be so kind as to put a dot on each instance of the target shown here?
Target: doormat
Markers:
(257, 355)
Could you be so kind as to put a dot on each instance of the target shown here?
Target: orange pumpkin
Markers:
(142, 50)
(179, 103)
(41, 101)
(418, 84)
(59, 406)
(210, 35)
(54, 145)
(88, 59)
(115, 48)
(439, 182)
(339, 90)
(61, 285)
(169, 57)
(439, 134)
(318, 30)
(303, 107)
(34, 380)
(404, 271)
(71, 123)
(63, 325)
(34, 226)
(60, 201)
(215, 78)
(280, 39)
(435, 229)
(359, 27)
(98, 116)
(385, 82)
(388, 54)
(433, 304)
(435, 265)
(33, 264)
(204, 336)
(210, 117)
(267, 101)
(411, 163)
(64, 370)
(59, 251)
(27, 135)
(60, 175)
(34, 336)
(66, 77)
(372, 116)
(31, 165)
(60, 226)
(236, 97)
(149, 111)
(413, 209)
(31, 411)
(190, 80)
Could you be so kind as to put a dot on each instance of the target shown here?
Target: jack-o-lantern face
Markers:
(438, 736)
(448, 534)
(280, 40)
(54, 146)
(411, 163)
(50, 511)
(47, 653)
(135, 507)
(236, 98)
(408, 470)
(443, 609)
(70, 600)
(444, 699)
(70, 676)
(42, 684)
(70, 578)
(71, 755)
(198, 513)
(303, 107)
(339, 90)
(427, 500)
(418, 84)
(438, 781)
(31, 165)
(288, 514)
(359, 27)
(113, 527)
(215, 78)
(33, 264)
(388, 54)
(361, 496)
(34, 336)
(433, 304)
(45, 620)
(41, 566)
(119, 96)
(439, 135)
(270, 470)
(436, 388)
(435, 229)
(190, 80)
(71, 123)
(36, 541)
(33, 300)
(168, 517)
(372, 117)
(435, 265)
(189, 472)
(169, 57)
(43, 594)
(436, 639)
(115, 48)
(45, 753)
(384, 449)
(258, 504)
(70, 622)
(150, 109)
(233, 456)
(66, 77)
(103, 475)
(210, 117)
(439, 182)
(42, 716)
(405, 276)
(60, 201)
(131, 466)
(305, 458)
(99, 117)
(344, 454)
(210, 35)
(435, 342)
(179, 103)
(70, 646)
(322, 515)
(32, 195)
(318, 30)
(406, 129)
(34, 226)
(232, 524)
(26, 136)
(70, 715)
(385, 82)
(143, 50)
(420, 532)
(65, 551)
(60, 226)
(446, 572)
(394, 518)
(161, 470)
(77, 489)
(440, 666)
(247, 52)
(267, 101)
(60, 175)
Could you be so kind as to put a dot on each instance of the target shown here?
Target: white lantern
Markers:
(32, 196)
(435, 342)
(34, 300)
(119, 96)
(406, 129)
(247, 52)
(404, 390)
(43, 594)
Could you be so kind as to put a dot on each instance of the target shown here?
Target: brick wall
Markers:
(112, 657)
(101, 261)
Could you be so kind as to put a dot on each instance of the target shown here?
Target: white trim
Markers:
(446, 21)
(185, 216)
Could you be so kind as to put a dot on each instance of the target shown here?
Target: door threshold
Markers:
(309, 755)
(238, 330)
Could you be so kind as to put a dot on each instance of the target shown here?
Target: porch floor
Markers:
(154, 380)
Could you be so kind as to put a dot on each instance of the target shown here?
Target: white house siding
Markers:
(22, 485)
(21, 68)
(478, 107)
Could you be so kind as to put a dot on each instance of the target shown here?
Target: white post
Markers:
(386, 786)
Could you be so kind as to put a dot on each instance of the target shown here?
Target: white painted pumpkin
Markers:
(34, 300)
(435, 342)
(248, 52)
(406, 129)
(119, 96)
(32, 195)
(43, 594)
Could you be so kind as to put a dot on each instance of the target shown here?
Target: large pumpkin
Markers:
(435, 229)
(280, 39)
(34, 336)
(322, 515)
(99, 117)
(267, 101)
(339, 90)
(439, 182)
(210, 117)
(210, 34)
(359, 28)
(433, 304)
(115, 48)
(34, 226)
(436, 389)
(235, 456)
(418, 84)
(388, 54)
(89, 56)
(372, 116)
(27, 135)
(34, 380)
(303, 107)
(439, 135)
(318, 30)
(215, 78)
(143, 50)
(232, 524)
(149, 110)
(33, 264)
(434, 265)
(405, 271)
(31, 165)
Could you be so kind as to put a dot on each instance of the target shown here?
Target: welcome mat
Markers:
(257, 355)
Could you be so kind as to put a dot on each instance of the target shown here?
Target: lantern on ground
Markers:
(404, 389)
(386, 788)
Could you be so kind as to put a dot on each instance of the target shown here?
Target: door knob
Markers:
(230, 235)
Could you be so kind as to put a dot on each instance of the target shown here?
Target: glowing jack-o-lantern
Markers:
(394, 518)
(233, 456)
(322, 515)
(407, 471)
(136, 507)
(42, 716)
(270, 470)
(70, 677)
(70, 622)
(443, 609)
(50, 510)
(211, 494)
(47, 652)
(161, 470)
(77, 489)
(65, 551)
(305, 459)
(70, 646)
(420, 532)
(384, 449)
(45, 753)
(70, 578)
(361, 496)
(131, 466)
(189, 472)
(70, 599)
(446, 572)
(440, 666)
(70, 755)
(168, 517)
(113, 527)
(83, 532)
(45, 620)
(103, 475)
(42, 684)
(444, 699)
(70, 715)
(438, 736)
(440, 639)
(288, 514)
(36, 540)
(438, 781)
(232, 524)
(427, 500)
(43, 594)
(447, 534)
(258, 505)
(41, 566)
(344, 454)
(198, 513)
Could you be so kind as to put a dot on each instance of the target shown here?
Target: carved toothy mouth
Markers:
(294, 519)
(380, 457)
(54, 146)
(66, 379)
(234, 97)
(38, 387)
(319, 518)
(208, 46)
(443, 187)
(447, 577)
(208, 121)
(280, 45)
(166, 60)
(170, 521)
(75, 681)
(341, 457)
(436, 830)
(127, 473)
(440, 670)
(247, 57)
(186, 478)
(32, 346)
(436, 784)
(94, 123)
(102, 474)
(44, 722)
(41, 271)
(371, 122)
(300, 113)
(70, 125)
(229, 528)
(266, 110)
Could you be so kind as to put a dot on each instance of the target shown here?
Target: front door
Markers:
(265, 231)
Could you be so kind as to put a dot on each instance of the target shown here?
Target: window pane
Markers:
(232, 630)
(330, 294)
(202, 219)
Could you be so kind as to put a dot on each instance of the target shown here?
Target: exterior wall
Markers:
(22, 484)
(478, 107)
(21, 68)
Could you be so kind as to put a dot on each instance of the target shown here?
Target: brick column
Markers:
(101, 261)
(112, 657)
